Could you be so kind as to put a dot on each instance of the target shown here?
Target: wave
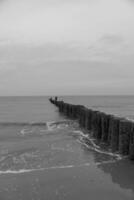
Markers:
(23, 123)
(24, 131)
(93, 145)
(22, 171)
(58, 124)
(51, 123)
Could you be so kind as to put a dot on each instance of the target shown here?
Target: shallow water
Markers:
(50, 159)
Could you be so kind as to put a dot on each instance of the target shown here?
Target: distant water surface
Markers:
(118, 105)
(27, 109)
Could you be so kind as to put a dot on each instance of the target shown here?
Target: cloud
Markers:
(130, 1)
(110, 39)
(5, 41)
(112, 48)
(47, 44)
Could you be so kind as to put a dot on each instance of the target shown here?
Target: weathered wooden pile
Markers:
(117, 132)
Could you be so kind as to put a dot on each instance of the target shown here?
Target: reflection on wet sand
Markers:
(122, 173)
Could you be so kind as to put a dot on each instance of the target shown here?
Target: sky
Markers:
(66, 47)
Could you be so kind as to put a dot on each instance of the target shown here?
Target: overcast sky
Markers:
(66, 47)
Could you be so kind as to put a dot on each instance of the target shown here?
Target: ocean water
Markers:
(118, 105)
(45, 156)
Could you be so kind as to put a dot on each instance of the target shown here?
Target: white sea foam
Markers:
(49, 125)
(96, 147)
(53, 124)
(81, 133)
(22, 171)
(87, 136)
(25, 131)
(117, 156)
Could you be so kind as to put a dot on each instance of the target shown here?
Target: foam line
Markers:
(118, 156)
(22, 171)
(96, 147)
(24, 131)
(87, 136)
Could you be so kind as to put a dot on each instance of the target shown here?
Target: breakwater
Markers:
(116, 132)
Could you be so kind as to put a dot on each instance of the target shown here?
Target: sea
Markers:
(45, 156)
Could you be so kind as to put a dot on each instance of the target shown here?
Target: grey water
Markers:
(43, 155)
(122, 106)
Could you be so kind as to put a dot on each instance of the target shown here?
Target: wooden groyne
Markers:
(116, 132)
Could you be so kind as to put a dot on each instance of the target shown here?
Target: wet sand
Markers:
(68, 183)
